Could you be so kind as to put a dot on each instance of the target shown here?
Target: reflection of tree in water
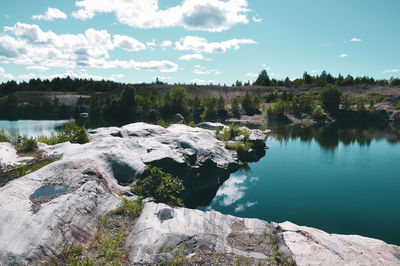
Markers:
(330, 136)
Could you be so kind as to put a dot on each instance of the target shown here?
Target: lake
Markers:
(33, 128)
(339, 180)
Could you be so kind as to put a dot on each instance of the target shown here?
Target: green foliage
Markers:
(317, 112)
(397, 106)
(360, 104)
(28, 144)
(231, 132)
(235, 105)
(331, 97)
(163, 187)
(131, 208)
(164, 123)
(179, 258)
(262, 79)
(239, 147)
(110, 248)
(21, 170)
(82, 262)
(70, 132)
(251, 105)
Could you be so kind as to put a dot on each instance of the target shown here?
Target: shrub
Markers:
(163, 187)
(397, 107)
(331, 97)
(317, 112)
(70, 132)
(232, 132)
(28, 144)
(130, 208)
(239, 147)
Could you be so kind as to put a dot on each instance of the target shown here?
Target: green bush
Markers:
(28, 144)
(232, 132)
(317, 112)
(163, 187)
(397, 107)
(239, 147)
(130, 208)
(331, 98)
(70, 132)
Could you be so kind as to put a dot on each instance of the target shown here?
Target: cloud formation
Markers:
(391, 71)
(343, 55)
(200, 70)
(188, 57)
(201, 45)
(355, 39)
(4, 75)
(51, 14)
(32, 46)
(204, 15)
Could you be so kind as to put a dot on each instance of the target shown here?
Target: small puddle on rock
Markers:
(45, 194)
(49, 191)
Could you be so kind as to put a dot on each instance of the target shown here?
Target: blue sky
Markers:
(198, 41)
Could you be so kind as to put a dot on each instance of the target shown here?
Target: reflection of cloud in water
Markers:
(242, 207)
(254, 179)
(231, 191)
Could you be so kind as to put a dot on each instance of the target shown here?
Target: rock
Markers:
(311, 246)
(211, 126)
(199, 232)
(94, 175)
(178, 118)
(9, 156)
(30, 230)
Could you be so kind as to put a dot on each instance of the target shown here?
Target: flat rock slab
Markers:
(311, 246)
(160, 230)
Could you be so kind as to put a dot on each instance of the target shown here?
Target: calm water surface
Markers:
(33, 128)
(340, 181)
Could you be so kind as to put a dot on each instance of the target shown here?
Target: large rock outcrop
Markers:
(80, 188)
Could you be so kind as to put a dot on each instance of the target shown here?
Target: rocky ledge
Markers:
(67, 200)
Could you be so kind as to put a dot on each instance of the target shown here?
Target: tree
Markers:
(331, 97)
(263, 79)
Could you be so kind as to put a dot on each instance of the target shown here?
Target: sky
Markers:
(197, 41)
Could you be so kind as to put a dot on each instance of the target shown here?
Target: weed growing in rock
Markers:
(109, 248)
(28, 144)
(162, 186)
(130, 208)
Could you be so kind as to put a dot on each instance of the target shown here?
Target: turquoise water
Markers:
(339, 181)
(49, 191)
(33, 128)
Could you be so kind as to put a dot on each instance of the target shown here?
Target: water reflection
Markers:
(329, 137)
(231, 193)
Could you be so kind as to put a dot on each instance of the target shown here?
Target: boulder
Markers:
(310, 246)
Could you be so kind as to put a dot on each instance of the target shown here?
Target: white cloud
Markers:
(200, 70)
(166, 43)
(4, 75)
(266, 67)
(391, 71)
(355, 39)
(37, 68)
(128, 43)
(71, 74)
(51, 14)
(206, 15)
(252, 75)
(201, 45)
(256, 19)
(197, 81)
(343, 55)
(33, 47)
(188, 57)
